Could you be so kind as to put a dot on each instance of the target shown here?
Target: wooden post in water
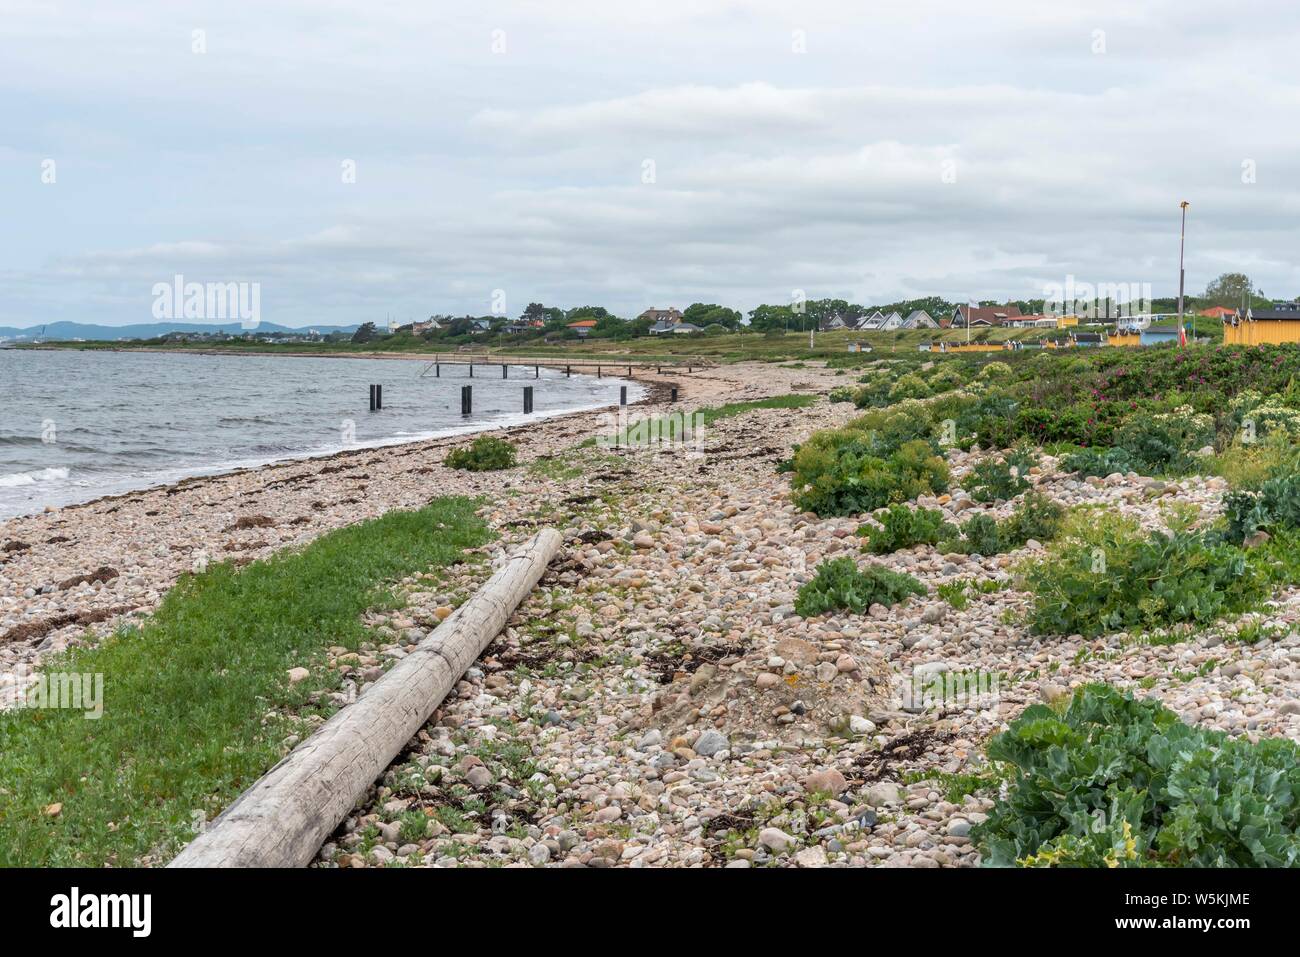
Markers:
(505, 371)
(622, 395)
(567, 371)
(528, 399)
(379, 396)
(471, 368)
(598, 372)
(372, 398)
(673, 395)
(537, 372)
(437, 371)
(466, 399)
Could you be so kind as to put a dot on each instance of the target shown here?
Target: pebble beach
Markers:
(656, 701)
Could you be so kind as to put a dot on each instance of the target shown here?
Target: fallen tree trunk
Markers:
(284, 818)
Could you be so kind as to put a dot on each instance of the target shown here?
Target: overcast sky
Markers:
(866, 151)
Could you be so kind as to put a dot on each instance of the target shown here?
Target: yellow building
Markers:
(1265, 327)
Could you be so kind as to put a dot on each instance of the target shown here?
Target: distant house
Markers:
(1219, 312)
(664, 327)
(984, 315)
(670, 315)
(1031, 322)
(829, 323)
(583, 327)
(517, 327)
(919, 319)
(880, 320)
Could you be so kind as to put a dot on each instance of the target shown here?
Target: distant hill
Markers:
(146, 330)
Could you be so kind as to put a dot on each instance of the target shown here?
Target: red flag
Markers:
(1182, 336)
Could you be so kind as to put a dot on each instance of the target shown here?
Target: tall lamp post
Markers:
(1182, 235)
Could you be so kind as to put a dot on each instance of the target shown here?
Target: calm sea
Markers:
(78, 425)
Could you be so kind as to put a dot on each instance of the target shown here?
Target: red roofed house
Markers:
(1219, 312)
(583, 326)
(984, 315)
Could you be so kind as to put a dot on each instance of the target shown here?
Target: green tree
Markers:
(707, 314)
(366, 332)
(767, 318)
(1230, 290)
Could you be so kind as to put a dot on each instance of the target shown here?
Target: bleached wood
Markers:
(284, 818)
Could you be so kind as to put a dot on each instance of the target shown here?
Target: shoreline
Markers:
(654, 392)
(39, 554)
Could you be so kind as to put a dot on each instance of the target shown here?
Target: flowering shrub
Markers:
(1263, 416)
(910, 386)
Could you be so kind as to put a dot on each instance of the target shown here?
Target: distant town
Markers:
(1229, 303)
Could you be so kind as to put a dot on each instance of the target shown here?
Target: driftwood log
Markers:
(284, 818)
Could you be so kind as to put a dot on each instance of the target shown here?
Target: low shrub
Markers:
(840, 583)
(1260, 416)
(1275, 505)
(903, 527)
(1104, 575)
(487, 453)
(1037, 517)
(1119, 782)
(1163, 443)
(946, 378)
(876, 460)
(1099, 462)
(996, 480)
(909, 386)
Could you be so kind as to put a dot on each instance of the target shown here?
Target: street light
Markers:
(1182, 234)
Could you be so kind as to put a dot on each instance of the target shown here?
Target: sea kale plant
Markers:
(1118, 782)
(902, 527)
(999, 479)
(1106, 575)
(841, 584)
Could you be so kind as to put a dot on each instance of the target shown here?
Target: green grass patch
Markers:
(196, 700)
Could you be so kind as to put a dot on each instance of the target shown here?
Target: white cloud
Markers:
(773, 170)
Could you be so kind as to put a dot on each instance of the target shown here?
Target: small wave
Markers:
(15, 479)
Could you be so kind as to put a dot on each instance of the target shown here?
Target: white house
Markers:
(881, 320)
(920, 319)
